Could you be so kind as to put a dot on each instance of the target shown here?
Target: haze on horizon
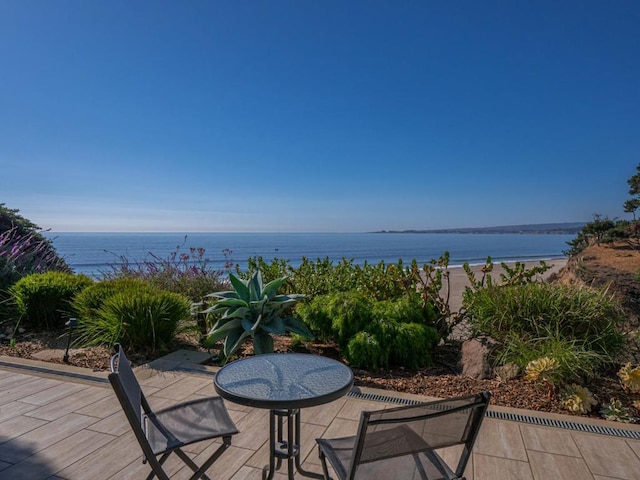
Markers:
(287, 116)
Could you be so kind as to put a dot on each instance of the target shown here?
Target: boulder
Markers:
(508, 371)
(475, 357)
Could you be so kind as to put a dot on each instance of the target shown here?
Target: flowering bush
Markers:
(26, 252)
(189, 274)
(577, 399)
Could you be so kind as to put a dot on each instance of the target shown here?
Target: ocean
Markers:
(93, 253)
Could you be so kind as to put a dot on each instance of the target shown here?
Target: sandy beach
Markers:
(458, 277)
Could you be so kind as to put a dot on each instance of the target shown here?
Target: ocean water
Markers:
(93, 253)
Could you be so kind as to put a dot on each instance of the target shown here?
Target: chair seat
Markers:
(382, 462)
(187, 423)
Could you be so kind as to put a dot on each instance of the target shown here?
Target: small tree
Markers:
(632, 205)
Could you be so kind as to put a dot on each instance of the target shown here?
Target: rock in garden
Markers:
(475, 358)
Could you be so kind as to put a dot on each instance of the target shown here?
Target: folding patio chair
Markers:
(401, 443)
(166, 431)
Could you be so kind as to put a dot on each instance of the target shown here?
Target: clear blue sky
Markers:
(316, 116)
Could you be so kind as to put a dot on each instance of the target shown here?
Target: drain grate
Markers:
(513, 417)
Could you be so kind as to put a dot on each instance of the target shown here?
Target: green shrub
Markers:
(89, 301)
(412, 345)
(575, 326)
(339, 316)
(43, 299)
(373, 334)
(364, 350)
(137, 318)
(534, 309)
(406, 309)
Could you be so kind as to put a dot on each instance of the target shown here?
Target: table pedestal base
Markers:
(281, 448)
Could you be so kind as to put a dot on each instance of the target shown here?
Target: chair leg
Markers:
(200, 472)
(156, 467)
(323, 460)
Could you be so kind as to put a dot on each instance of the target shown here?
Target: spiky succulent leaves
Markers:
(262, 343)
(241, 288)
(253, 310)
(222, 329)
(296, 325)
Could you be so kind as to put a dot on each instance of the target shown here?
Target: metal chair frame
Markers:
(141, 418)
(476, 405)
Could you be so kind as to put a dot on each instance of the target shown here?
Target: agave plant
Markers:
(252, 310)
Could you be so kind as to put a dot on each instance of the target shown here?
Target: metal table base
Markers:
(281, 448)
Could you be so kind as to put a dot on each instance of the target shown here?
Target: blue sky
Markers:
(316, 116)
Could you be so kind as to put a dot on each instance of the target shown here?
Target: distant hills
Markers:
(538, 228)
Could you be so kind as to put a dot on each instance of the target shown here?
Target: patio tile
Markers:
(106, 461)
(499, 468)
(323, 414)
(451, 455)
(608, 456)
(547, 465)
(18, 425)
(23, 385)
(224, 467)
(11, 410)
(102, 408)
(353, 408)
(550, 440)
(55, 392)
(63, 406)
(154, 378)
(57, 456)
(254, 430)
(635, 446)
(42, 437)
(501, 439)
(183, 388)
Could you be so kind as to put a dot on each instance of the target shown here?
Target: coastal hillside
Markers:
(615, 266)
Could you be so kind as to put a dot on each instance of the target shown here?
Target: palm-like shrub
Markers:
(43, 299)
(252, 310)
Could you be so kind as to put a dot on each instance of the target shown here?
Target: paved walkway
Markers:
(70, 426)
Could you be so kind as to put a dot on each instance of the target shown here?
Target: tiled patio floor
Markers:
(71, 427)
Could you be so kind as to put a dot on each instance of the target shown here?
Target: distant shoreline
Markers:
(534, 229)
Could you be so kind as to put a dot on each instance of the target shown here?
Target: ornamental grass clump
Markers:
(138, 316)
(630, 377)
(577, 399)
(576, 326)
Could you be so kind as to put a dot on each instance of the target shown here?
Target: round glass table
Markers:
(284, 383)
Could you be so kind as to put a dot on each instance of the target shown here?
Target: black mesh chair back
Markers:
(402, 442)
(163, 432)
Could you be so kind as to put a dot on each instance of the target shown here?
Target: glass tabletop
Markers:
(283, 380)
